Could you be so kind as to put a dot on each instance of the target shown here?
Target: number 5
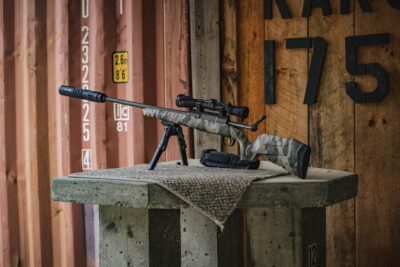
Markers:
(373, 69)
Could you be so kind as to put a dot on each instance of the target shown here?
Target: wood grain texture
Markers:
(9, 228)
(377, 145)
(289, 116)
(251, 63)
(229, 57)
(231, 242)
(35, 138)
(332, 127)
(205, 62)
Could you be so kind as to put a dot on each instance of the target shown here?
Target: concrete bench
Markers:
(142, 224)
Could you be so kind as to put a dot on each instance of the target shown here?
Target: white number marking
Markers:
(85, 9)
(86, 159)
(122, 126)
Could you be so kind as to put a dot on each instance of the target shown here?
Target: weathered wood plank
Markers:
(124, 237)
(229, 69)
(9, 229)
(205, 58)
(290, 74)
(377, 144)
(231, 243)
(199, 234)
(332, 127)
(250, 57)
(289, 116)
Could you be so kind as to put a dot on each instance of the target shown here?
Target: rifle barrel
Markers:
(102, 98)
(129, 103)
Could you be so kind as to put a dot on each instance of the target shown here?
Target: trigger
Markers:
(231, 141)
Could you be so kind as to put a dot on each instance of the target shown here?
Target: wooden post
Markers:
(331, 127)
(377, 144)
(204, 19)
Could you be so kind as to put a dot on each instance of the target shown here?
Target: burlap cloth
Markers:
(215, 192)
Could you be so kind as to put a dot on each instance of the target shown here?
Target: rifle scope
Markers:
(212, 104)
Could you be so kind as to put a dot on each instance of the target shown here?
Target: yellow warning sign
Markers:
(120, 67)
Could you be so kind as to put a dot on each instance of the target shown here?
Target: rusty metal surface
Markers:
(44, 44)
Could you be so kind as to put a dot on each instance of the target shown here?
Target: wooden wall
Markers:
(41, 133)
(343, 135)
(46, 43)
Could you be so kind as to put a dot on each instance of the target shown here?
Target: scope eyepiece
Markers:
(212, 104)
(82, 93)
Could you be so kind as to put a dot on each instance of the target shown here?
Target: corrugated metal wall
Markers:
(45, 44)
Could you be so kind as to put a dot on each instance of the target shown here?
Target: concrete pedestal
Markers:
(142, 224)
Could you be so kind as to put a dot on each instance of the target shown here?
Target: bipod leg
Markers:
(182, 144)
(162, 146)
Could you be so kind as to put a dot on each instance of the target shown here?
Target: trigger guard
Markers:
(231, 143)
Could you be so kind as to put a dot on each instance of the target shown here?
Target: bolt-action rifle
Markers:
(213, 117)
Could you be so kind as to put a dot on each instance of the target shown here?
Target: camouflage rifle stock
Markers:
(289, 153)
